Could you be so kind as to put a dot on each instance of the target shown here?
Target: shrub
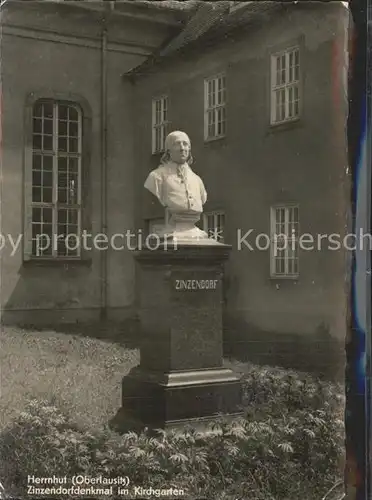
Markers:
(287, 446)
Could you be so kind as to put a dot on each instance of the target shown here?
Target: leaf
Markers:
(286, 447)
(179, 458)
(309, 433)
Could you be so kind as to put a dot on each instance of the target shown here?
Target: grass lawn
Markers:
(291, 438)
(82, 374)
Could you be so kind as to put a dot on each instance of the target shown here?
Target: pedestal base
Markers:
(176, 399)
(181, 378)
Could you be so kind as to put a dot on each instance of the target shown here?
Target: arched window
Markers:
(55, 211)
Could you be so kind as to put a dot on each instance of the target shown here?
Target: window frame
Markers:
(214, 214)
(273, 258)
(84, 197)
(207, 109)
(163, 126)
(150, 222)
(274, 87)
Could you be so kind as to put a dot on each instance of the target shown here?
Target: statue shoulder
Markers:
(199, 178)
(158, 172)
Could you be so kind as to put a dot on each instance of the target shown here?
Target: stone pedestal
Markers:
(180, 377)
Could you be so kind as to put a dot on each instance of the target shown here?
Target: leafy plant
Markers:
(287, 446)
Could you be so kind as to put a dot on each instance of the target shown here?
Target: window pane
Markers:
(61, 248)
(37, 126)
(62, 164)
(291, 64)
(62, 187)
(42, 215)
(62, 230)
(62, 144)
(278, 70)
(223, 128)
(47, 195)
(36, 144)
(283, 68)
(280, 264)
(36, 215)
(73, 247)
(47, 179)
(62, 216)
(36, 162)
(277, 106)
(157, 139)
(48, 126)
(297, 58)
(295, 214)
(62, 127)
(73, 129)
(36, 230)
(296, 101)
(48, 163)
(36, 194)
(47, 143)
(73, 145)
(36, 178)
(48, 110)
(211, 117)
(62, 112)
(296, 73)
(209, 92)
(290, 102)
(34, 249)
(296, 108)
(73, 165)
(72, 113)
(73, 217)
(295, 266)
(47, 215)
(282, 104)
(290, 267)
(68, 244)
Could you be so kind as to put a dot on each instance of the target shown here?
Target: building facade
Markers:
(67, 154)
(263, 98)
(86, 106)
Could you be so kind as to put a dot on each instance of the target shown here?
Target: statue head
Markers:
(177, 148)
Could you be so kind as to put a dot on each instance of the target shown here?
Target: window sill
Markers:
(293, 277)
(283, 126)
(55, 262)
(213, 140)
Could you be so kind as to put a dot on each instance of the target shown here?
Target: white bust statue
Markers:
(180, 190)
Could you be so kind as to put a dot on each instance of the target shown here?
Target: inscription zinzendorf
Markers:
(196, 284)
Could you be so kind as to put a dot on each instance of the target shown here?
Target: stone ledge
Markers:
(158, 404)
(168, 252)
(185, 378)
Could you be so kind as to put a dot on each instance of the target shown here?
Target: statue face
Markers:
(179, 151)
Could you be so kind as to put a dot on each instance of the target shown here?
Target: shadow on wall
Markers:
(319, 354)
(71, 307)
